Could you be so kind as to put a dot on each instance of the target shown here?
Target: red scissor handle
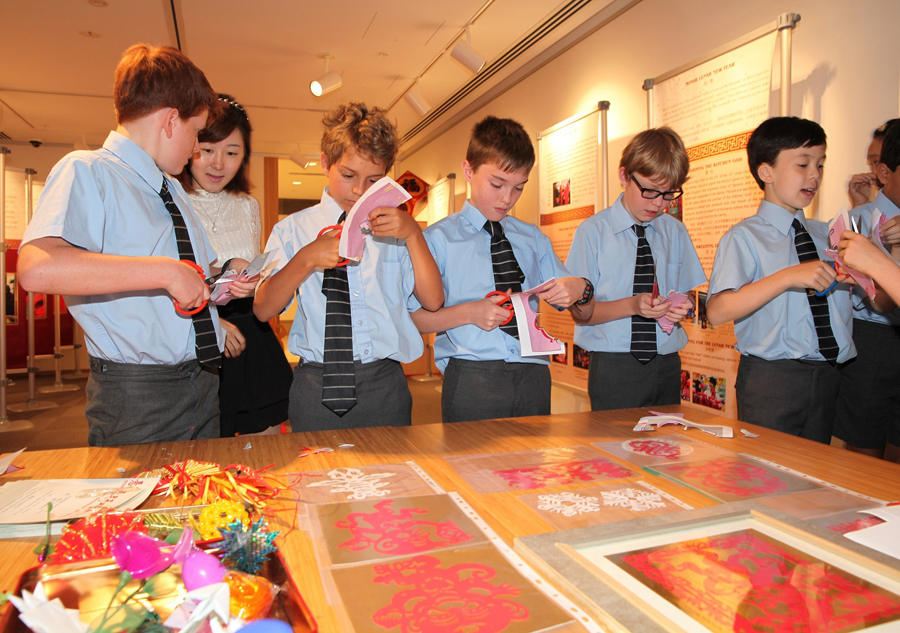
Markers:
(506, 303)
(334, 227)
(200, 272)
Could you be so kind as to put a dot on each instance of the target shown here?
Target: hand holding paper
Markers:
(384, 193)
(837, 226)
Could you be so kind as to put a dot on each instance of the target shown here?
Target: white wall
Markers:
(846, 75)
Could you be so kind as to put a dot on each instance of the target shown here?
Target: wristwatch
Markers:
(588, 292)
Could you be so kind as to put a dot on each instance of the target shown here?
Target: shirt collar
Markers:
(475, 217)
(620, 219)
(883, 204)
(136, 158)
(331, 208)
(779, 217)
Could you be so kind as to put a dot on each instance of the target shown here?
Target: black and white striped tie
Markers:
(338, 376)
(204, 331)
(643, 330)
(806, 252)
(507, 274)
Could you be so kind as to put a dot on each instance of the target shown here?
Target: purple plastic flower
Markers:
(143, 556)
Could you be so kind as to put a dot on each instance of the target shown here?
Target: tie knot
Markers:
(164, 191)
(798, 226)
(494, 228)
(639, 230)
(342, 218)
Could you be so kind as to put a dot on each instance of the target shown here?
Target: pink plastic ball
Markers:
(201, 569)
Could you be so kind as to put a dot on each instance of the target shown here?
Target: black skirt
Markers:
(254, 387)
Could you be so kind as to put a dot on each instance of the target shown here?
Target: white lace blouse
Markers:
(231, 221)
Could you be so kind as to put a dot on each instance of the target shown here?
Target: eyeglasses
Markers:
(653, 194)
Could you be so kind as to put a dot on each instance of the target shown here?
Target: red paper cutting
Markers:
(738, 478)
(655, 448)
(559, 474)
(399, 533)
(846, 527)
(446, 600)
(746, 581)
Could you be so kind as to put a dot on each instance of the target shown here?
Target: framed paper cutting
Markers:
(736, 567)
(651, 449)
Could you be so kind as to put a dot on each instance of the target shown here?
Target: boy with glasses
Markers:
(635, 254)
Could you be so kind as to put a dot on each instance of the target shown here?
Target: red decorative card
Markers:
(530, 470)
(471, 589)
(366, 531)
(650, 449)
(846, 522)
(749, 581)
(735, 478)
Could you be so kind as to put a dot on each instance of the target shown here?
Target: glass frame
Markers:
(673, 195)
(579, 562)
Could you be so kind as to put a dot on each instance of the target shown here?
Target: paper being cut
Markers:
(838, 225)
(647, 423)
(677, 300)
(220, 293)
(533, 339)
(384, 193)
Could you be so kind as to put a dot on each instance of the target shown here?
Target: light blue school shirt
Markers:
(762, 245)
(861, 308)
(462, 250)
(107, 201)
(381, 288)
(604, 250)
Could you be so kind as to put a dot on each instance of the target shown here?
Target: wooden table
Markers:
(426, 444)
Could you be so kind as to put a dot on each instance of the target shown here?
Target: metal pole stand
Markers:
(76, 374)
(59, 385)
(6, 425)
(429, 375)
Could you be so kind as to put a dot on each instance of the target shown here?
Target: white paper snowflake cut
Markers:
(356, 482)
(636, 500)
(568, 503)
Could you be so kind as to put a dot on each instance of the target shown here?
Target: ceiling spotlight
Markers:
(466, 55)
(329, 82)
(416, 101)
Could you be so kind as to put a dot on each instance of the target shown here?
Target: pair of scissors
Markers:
(822, 293)
(506, 303)
(208, 281)
(340, 229)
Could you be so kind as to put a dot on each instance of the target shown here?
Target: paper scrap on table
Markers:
(748, 433)
(838, 225)
(6, 465)
(345, 445)
(884, 537)
(677, 300)
(384, 193)
(646, 424)
(248, 446)
(671, 415)
(323, 450)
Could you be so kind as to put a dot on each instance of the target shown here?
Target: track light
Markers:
(466, 55)
(416, 101)
(329, 82)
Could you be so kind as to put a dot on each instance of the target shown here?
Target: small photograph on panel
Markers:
(709, 391)
(675, 209)
(12, 299)
(580, 358)
(562, 193)
(701, 311)
(685, 385)
(563, 357)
